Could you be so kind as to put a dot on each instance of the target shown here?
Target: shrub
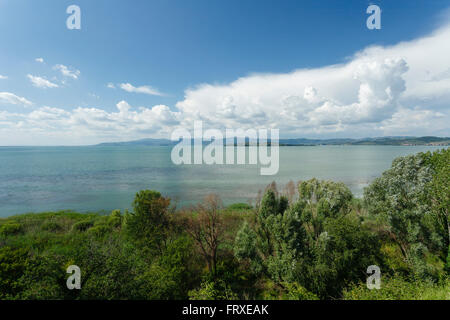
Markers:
(399, 288)
(116, 213)
(239, 206)
(12, 266)
(51, 226)
(212, 290)
(115, 219)
(10, 228)
(82, 225)
(99, 230)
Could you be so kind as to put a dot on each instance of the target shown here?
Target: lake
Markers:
(93, 178)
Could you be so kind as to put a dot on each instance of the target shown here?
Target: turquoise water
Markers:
(34, 179)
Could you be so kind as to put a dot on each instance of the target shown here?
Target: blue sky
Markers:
(182, 53)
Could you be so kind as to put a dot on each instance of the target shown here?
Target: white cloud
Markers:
(40, 82)
(2, 77)
(358, 98)
(40, 60)
(67, 72)
(111, 85)
(142, 89)
(11, 98)
(405, 121)
(87, 125)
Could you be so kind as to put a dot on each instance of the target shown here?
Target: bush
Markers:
(51, 226)
(239, 206)
(393, 258)
(12, 266)
(10, 228)
(115, 219)
(116, 213)
(212, 290)
(399, 288)
(82, 226)
(43, 279)
(99, 230)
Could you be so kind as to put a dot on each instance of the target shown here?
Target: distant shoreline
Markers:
(246, 145)
(394, 141)
(303, 142)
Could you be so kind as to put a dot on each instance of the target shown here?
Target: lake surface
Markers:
(36, 179)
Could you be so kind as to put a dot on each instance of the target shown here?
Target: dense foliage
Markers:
(312, 241)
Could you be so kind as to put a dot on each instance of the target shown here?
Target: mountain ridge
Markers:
(388, 140)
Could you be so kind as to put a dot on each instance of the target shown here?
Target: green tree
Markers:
(339, 256)
(110, 268)
(315, 242)
(148, 225)
(274, 240)
(401, 200)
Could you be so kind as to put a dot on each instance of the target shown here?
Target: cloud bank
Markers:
(379, 91)
(88, 124)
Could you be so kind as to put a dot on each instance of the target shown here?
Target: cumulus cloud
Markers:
(89, 125)
(2, 77)
(111, 85)
(319, 100)
(40, 82)
(11, 98)
(142, 89)
(40, 60)
(67, 72)
(371, 94)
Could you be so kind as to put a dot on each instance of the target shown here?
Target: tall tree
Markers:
(148, 225)
(410, 201)
(207, 229)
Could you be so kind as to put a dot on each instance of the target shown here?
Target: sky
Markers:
(140, 69)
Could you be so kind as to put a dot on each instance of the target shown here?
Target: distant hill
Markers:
(405, 141)
(142, 142)
(392, 141)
